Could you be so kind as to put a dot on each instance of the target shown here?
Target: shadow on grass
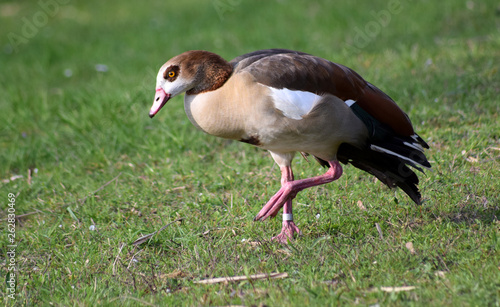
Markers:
(469, 213)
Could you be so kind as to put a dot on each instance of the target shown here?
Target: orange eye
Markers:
(171, 74)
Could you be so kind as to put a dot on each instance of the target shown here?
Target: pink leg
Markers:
(286, 176)
(289, 227)
(289, 189)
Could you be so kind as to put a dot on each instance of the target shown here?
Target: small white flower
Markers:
(101, 67)
(92, 227)
(317, 216)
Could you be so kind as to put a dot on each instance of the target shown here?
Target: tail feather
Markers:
(392, 170)
(420, 141)
(412, 157)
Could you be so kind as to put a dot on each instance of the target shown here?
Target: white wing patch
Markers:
(349, 102)
(294, 104)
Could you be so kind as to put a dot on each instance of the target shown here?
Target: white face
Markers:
(169, 83)
(173, 86)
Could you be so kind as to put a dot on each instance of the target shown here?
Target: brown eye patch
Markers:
(171, 73)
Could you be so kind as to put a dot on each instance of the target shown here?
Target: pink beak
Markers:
(161, 99)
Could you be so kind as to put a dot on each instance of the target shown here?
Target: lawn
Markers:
(87, 172)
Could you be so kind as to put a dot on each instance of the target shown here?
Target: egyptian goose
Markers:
(287, 101)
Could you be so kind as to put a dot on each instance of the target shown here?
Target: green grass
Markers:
(101, 160)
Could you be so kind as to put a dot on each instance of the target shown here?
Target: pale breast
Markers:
(233, 111)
